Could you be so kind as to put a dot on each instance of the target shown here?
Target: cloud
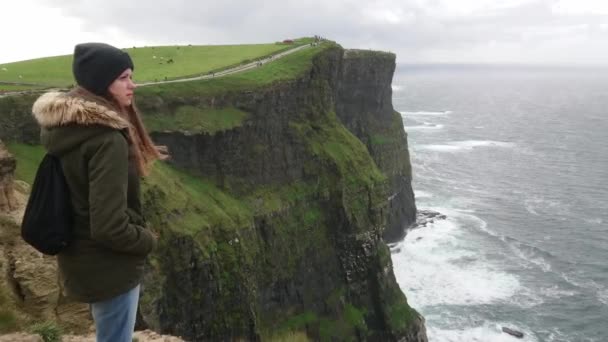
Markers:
(536, 31)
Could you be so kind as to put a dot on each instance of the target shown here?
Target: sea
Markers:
(517, 159)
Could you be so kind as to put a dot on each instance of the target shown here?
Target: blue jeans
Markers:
(115, 317)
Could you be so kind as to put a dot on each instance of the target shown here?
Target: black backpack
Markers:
(47, 222)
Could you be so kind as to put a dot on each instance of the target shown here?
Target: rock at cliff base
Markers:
(424, 217)
(512, 332)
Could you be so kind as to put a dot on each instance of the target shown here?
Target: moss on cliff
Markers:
(197, 120)
(191, 204)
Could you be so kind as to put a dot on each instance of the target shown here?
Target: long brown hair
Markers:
(143, 151)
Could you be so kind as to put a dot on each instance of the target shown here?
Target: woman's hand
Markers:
(163, 151)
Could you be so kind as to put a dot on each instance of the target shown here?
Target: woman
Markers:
(104, 148)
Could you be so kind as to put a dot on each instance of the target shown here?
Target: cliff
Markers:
(364, 104)
(272, 222)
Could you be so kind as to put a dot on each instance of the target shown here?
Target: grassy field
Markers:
(151, 63)
(286, 68)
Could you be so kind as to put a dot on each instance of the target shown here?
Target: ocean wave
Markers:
(536, 203)
(435, 265)
(429, 127)
(557, 292)
(465, 145)
(428, 113)
(396, 87)
(602, 296)
(422, 194)
(531, 255)
(601, 291)
(594, 220)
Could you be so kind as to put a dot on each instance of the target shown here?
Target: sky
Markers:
(547, 32)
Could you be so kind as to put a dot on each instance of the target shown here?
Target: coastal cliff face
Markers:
(364, 105)
(273, 228)
(316, 261)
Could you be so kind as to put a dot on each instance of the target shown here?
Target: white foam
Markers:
(601, 291)
(527, 254)
(456, 146)
(595, 220)
(423, 128)
(422, 194)
(555, 292)
(535, 203)
(602, 296)
(447, 112)
(485, 333)
(436, 266)
(396, 87)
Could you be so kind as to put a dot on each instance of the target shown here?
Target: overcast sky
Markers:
(418, 31)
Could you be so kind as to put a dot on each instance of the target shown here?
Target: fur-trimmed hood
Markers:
(68, 120)
(59, 109)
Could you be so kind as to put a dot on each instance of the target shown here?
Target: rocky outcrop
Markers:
(28, 288)
(7, 171)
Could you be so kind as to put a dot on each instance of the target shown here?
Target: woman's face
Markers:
(122, 88)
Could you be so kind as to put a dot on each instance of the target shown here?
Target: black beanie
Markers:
(97, 65)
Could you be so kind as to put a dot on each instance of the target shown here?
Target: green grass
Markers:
(190, 203)
(12, 87)
(286, 68)
(187, 61)
(195, 119)
(194, 60)
(28, 158)
(299, 321)
(400, 315)
(379, 139)
(289, 337)
(268, 199)
(331, 141)
(49, 331)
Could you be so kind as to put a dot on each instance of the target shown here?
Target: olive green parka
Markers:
(111, 242)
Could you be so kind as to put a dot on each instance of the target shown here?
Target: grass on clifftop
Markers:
(285, 68)
(151, 63)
